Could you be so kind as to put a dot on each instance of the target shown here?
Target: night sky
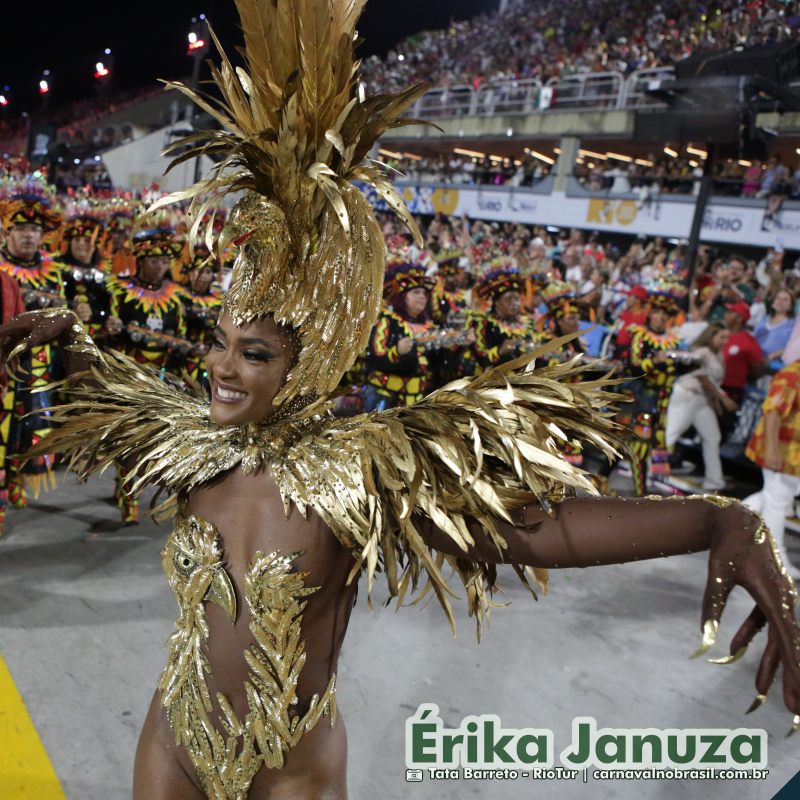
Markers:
(148, 39)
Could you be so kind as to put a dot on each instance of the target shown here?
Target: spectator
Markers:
(752, 179)
(744, 359)
(698, 400)
(773, 333)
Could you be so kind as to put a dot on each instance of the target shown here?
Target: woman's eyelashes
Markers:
(250, 354)
(257, 355)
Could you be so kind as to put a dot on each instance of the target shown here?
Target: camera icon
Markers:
(414, 775)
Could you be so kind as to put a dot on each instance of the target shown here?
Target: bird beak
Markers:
(222, 593)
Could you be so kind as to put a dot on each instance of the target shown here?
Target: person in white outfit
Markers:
(698, 399)
(775, 447)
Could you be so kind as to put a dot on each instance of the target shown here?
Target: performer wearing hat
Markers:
(116, 246)
(452, 295)
(398, 369)
(563, 317)
(649, 358)
(146, 308)
(280, 507)
(84, 272)
(146, 319)
(27, 216)
(503, 332)
(201, 310)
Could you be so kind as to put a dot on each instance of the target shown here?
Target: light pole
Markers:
(198, 47)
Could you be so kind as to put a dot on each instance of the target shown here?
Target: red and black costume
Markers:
(41, 285)
(86, 282)
(652, 390)
(492, 332)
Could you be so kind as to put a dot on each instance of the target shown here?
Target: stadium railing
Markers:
(592, 91)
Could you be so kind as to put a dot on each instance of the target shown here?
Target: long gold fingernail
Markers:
(710, 627)
(757, 703)
(731, 659)
(795, 726)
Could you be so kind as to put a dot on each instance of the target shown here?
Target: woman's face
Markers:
(247, 366)
(658, 320)
(200, 279)
(416, 302)
(82, 249)
(507, 306)
(153, 269)
(570, 323)
(782, 303)
(719, 340)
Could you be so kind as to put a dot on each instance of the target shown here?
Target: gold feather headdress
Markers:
(297, 130)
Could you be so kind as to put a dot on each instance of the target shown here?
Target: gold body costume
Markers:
(372, 479)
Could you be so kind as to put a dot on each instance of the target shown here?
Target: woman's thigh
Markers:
(706, 423)
(157, 772)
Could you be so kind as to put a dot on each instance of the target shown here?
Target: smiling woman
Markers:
(279, 508)
(246, 368)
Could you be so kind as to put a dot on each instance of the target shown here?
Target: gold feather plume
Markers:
(470, 451)
(296, 131)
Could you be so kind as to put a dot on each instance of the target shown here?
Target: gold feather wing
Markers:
(471, 451)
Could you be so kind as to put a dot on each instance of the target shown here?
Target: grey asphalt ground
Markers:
(84, 612)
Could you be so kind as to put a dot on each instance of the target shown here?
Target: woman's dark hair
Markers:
(398, 304)
(769, 302)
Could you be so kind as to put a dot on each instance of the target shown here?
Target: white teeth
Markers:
(227, 394)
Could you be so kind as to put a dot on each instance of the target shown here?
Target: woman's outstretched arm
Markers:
(585, 532)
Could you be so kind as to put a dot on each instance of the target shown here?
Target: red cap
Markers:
(742, 309)
(638, 291)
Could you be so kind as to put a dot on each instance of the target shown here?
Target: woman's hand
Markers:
(34, 328)
(84, 312)
(746, 555)
(114, 326)
(508, 346)
(405, 345)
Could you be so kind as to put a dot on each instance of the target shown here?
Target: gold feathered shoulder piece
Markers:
(473, 450)
(296, 133)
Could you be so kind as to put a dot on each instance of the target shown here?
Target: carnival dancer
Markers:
(650, 349)
(503, 332)
(11, 305)
(467, 478)
(84, 273)
(202, 304)
(452, 295)
(146, 321)
(563, 318)
(116, 246)
(27, 215)
(398, 368)
(146, 308)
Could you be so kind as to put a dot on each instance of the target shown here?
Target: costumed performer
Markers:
(280, 507)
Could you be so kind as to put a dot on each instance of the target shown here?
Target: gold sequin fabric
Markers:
(227, 757)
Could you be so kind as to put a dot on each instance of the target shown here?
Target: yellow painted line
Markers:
(25, 770)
